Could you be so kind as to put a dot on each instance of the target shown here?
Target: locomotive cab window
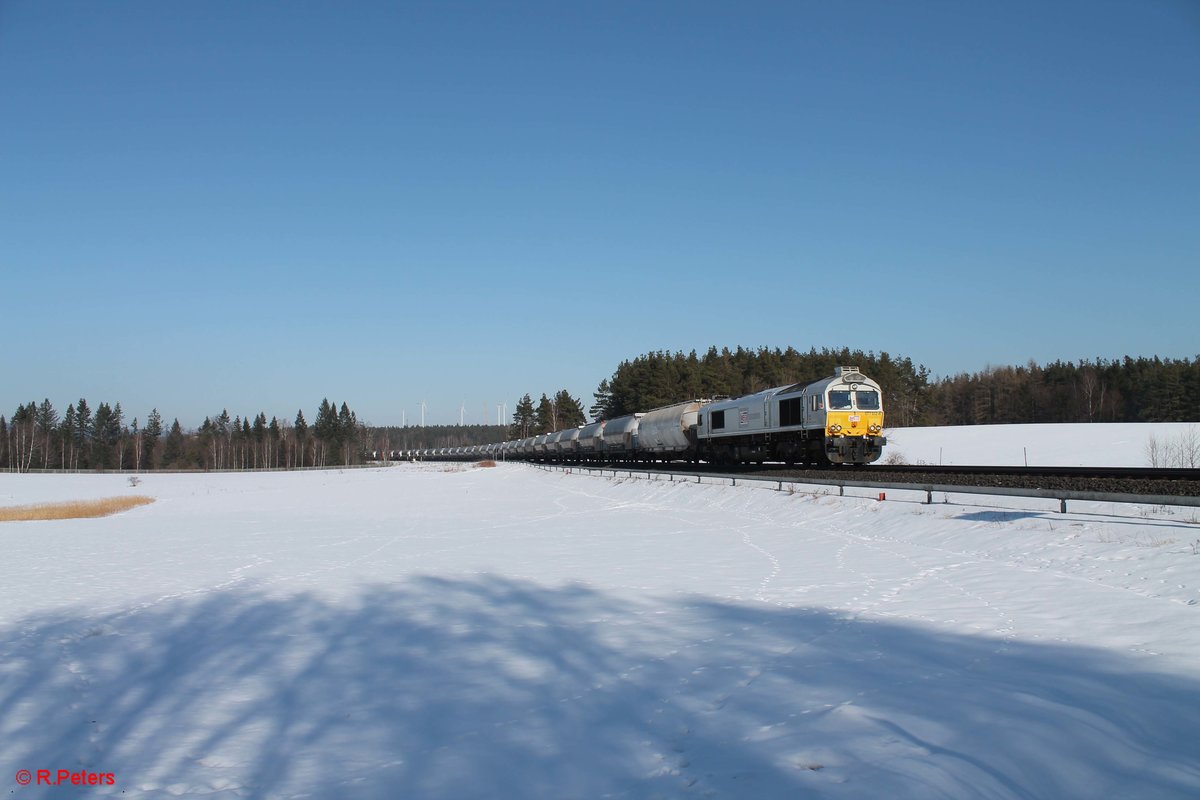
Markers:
(818, 402)
(867, 400)
(716, 420)
(839, 399)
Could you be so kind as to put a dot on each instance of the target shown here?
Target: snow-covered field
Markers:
(420, 631)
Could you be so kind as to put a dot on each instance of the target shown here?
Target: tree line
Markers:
(1101, 390)
(38, 437)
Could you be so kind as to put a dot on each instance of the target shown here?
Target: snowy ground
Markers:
(418, 632)
(1095, 445)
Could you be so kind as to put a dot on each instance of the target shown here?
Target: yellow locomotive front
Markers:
(853, 418)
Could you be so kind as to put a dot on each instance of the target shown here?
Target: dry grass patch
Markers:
(73, 509)
(488, 463)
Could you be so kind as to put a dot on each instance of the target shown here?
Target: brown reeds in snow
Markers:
(73, 509)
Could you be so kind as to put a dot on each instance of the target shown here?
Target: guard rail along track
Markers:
(1159, 487)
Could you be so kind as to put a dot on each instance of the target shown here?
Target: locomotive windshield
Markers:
(863, 399)
(867, 400)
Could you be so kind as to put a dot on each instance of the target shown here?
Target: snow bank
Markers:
(1084, 445)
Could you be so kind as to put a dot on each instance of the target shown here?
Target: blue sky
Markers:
(252, 206)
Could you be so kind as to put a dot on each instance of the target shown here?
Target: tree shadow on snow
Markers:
(1000, 516)
(492, 687)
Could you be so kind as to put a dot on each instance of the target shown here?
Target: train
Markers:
(834, 421)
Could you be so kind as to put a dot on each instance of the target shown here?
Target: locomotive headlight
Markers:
(876, 428)
(835, 428)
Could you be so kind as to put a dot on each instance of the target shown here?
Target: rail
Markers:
(1061, 495)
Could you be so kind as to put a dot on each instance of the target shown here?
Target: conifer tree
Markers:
(259, 432)
(324, 429)
(47, 423)
(545, 418)
(347, 432)
(172, 453)
(67, 436)
(246, 439)
(116, 434)
(150, 436)
(300, 426)
(83, 429)
(568, 410)
(274, 435)
(102, 437)
(523, 418)
(602, 401)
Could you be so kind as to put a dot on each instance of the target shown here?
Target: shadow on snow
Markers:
(491, 687)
